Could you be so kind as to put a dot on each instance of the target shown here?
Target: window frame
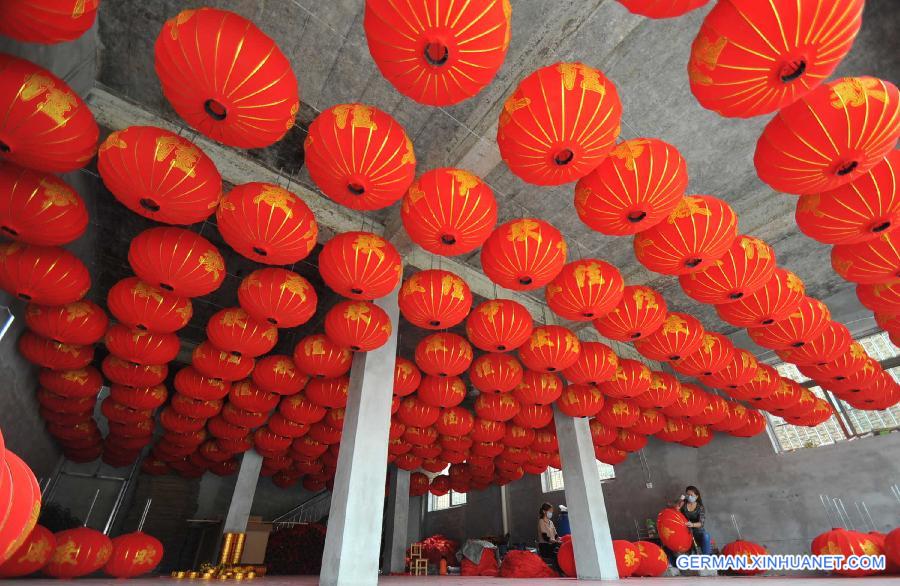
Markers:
(548, 484)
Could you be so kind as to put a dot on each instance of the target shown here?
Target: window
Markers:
(449, 500)
(552, 478)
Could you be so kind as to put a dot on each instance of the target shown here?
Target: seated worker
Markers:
(691, 506)
(548, 540)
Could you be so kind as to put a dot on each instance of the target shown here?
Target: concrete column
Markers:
(242, 497)
(594, 557)
(396, 522)
(357, 501)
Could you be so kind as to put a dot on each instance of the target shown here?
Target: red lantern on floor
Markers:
(618, 413)
(631, 379)
(360, 265)
(48, 21)
(449, 211)
(226, 78)
(833, 341)
(801, 326)
(299, 409)
(580, 401)
(133, 554)
(664, 390)
(775, 301)
(38, 208)
(406, 377)
(495, 372)
(653, 560)
(636, 187)
(845, 543)
(46, 125)
(141, 347)
(680, 335)
(435, 299)
(855, 212)
(31, 555)
(361, 326)
(328, 392)
(880, 297)
(747, 550)
(499, 325)
(662, 8)
(641, 312)
(78, 552)
(212, 362)
(84, 382)
(673, 530)
(750, 59)
(694, 236)
(414, 412)
(743, 270)
(523, 254)
(596, 363)
(47, 275)
(559, 124)
(277, 374)
(318, 356)
(455, 422)
(177, 260)
(873, 261)
(159, 175)
(443, 354)
(53, 355)
(496, 407)
(442, 391)
(144, 307)
(550, 349)
(538, 388)
(77, 323)
(831, 136)
(764, 382)
(714, 353)
(585, 289)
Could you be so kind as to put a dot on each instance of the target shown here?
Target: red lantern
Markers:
(123, 414)
(714, 353)
(518, 437)
(267, 224)
(580, 401)
(750, 59)
(628, 441)
(226, 78)
(159, 175)
(133, 554)
(680, 335)
(523, 254)
(716, 410)
(610, 455)
(141, 347)
(177, 260)
(193, 384)
(664, 390)
(735, 418)
(233, 330)
(53, 355)
(60, 404)
(47, 275)
(499, 325)
(596, 363)
(538, 388)
(699, 437)
(277, 374)
(418, 484)
(662, 8)
(319, 357)
(31, 555)
(278, 296)
(833, 341)
(649, 422)
(880, 297)
(550, 349)
(652, 560)
(873, 261)
(245, 395)
(496, 407)
(801, 326)
(495, 373)
(584, 290)
(449, 211)
(764, 382)
(559, 124)
(533, 416)
(831, 136)
(631, 379)
(455, 422)
(212, 362)
(695, 235)
(360, 265)
(140, 397)
(787, 395)
(47, 21)
(856, 212)
(38, 208)
(691, 401)
(775, 301)
(328, 392)
(361, 326)
(46, 126)
(488, 430)
(440, 485)
(641, 312)
(79, 383)
(22, 504)
(281, 425)
(673, 530)
(435, 299)
(79, 552)
(241, 417)
(406, 377)
(78, 323)
(743, 270)
(414, 412)
(442, 391)
(443, 354)
(635, 188)
(618, 413)
(756, 423)
(850, 361)
(846, 543)
(299, 409)
(144, 307)
(420, 436)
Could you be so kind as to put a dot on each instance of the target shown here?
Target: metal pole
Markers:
(824, 499)
(861, 516)
(895, 490)
(839, 502)
(91, 508)
(871, 522)
(737, 528)
(144, 515)
(120, 498)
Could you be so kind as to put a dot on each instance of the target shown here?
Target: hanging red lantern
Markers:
(610, 455)
(735, 418)
(442, 391)
(716, 410)
(435, 299)
(141, 347)
(406, 377)
(756, 424)
(31, 555)
(188, 381)
(443, 354)
(463, 443)
(851, 360)
(318, 356)
(787, 395)
(691, 401)
(559, 124)
(523, 254)
(278, 296)
(664, 390)
(144, 307)
(631, 379)
(545, 440)
(881, 296)
(618, 413)
(680, 335)
(173, 421)
(414, 412)
(673, 530)
(299, 409)
(799, 327)
(488, 430)
(281, 425)
(873, 261)
(829, 137)
(47, 275)
(214, 363)
(714, 353)
(641, 312)
(455, 422)
(699, 437)
(53, 355)
(246, 395)
(195, 408)
(596, 363)
(449, 211)
(242, 417)
(177, 260)
(328, 392)
(440, 485)
(694, 236)
(495, 372)
(882, 394)
(420, 436)
(662, 8)
(743, 270)
(47, 21)
(22, 503)
(499, 325)
(61, 404)
(139, 397)
(233, 330)
(38, 208)
(518, 437)
(855, 382)
(79, 552)
(649, 422)
(83, 382)
(496, 407)
(550, 349)
(226, 78)
(533, 416)
(828, 345)
(360, 265)
(123, 414)
(267, 224)
(855, 212)
(773, 302)
(277, 374)
(46, 125)
(764, 382)
(538, 388)
(628, 441)
(636, 187)
(584, 290)
(78, 323)
(266, 439)
(159, 175)
(750, 59)
(580, 401)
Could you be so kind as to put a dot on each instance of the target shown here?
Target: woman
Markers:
(546, 529)
(691, 506)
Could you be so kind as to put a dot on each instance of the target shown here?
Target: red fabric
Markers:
(524, 564)
(486, 567)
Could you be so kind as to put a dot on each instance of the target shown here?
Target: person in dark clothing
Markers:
(691, 506)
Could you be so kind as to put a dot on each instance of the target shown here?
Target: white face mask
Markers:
(692, 498)
(549, 514)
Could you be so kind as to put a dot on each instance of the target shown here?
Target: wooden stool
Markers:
(419, 567)
(415, 550)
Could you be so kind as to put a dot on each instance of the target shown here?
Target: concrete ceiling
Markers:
(645, 58)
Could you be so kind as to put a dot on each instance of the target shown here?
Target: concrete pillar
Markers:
(242, 497)
(396, 522)
(357, 501)
(594, 557)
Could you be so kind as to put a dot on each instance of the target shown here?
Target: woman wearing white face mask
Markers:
(691, 506)
(546, 528)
